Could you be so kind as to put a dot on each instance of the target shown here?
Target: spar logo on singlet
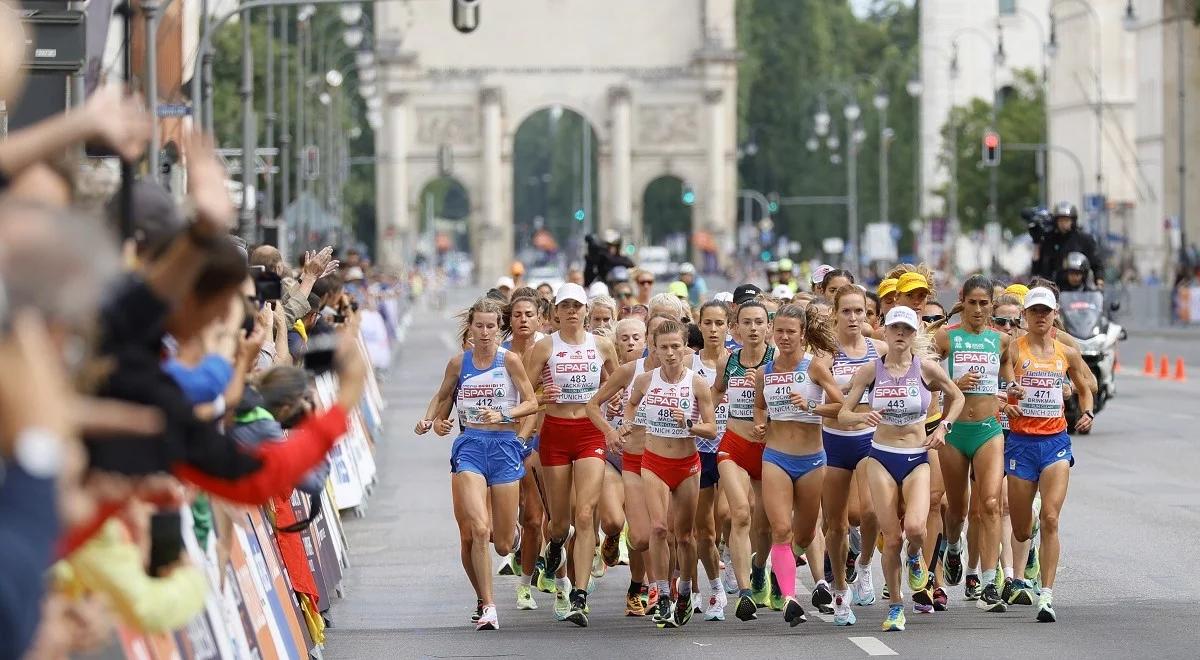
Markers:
(795, 377)
(575, 367)
(895, 391)
(971, 358)
(741, 381)
(483, 391)
(845, 369)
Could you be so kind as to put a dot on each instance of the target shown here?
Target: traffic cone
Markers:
(1164, 369)
(1179, 375)
(1116, 364)
(1148, 370)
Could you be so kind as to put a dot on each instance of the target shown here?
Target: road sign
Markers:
(173, 110)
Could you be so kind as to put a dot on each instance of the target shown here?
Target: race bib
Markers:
(1043, 396)
(985, 364)
(741, 397)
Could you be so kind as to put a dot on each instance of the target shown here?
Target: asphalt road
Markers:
(1127, 584)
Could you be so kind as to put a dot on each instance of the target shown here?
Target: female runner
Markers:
(1037, 454)
(602, 312)
(788, 390)
(739, 460)
(485, 460)
(978, 359)
(522, 322)
(914, 288)
(618, 388)
(714, 325)
(900, 386)
(677, 405)
(886, 292)
(846, 495)
(573, 363)
(630, 339)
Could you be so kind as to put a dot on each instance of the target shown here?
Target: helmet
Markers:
(1065, 210)
(785, 265)
(612, 237)
(772, 266)
(1076, 261)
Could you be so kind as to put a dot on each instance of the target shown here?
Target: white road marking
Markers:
(827, 618)
(872, 646)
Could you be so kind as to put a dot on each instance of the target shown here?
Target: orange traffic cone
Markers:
(1148, 370)
(1164, 369)
(1179, 375)
(1116, 364)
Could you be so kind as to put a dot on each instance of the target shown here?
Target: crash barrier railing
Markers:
(268, 589)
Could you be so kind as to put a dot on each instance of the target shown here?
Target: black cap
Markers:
(745, 293)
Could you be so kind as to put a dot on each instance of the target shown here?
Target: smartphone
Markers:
(319, 352)
(267, 285)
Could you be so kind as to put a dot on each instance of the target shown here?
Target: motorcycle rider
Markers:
(1057, 241)
(1074, 273)
(603, 257)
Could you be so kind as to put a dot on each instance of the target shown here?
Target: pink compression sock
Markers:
(783, 565)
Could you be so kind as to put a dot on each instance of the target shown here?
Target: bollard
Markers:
(1179, 375)
(1148, 370)
(1164, 369)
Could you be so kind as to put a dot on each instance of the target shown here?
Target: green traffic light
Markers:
(580, 215)
(773, 206)
(689, 197)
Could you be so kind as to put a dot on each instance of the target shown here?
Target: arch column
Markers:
(714, 200)
(622, 161)
(492, 239)
(395, 240)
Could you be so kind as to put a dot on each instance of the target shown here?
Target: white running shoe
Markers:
(562, 599)
(598, 567)
(842, 614)
(525, 599)
(728, 577)
(488, 621)
(716, 606)
(863, 589)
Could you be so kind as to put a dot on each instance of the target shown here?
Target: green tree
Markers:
(1020, 118)
(358, 193)
(548, 174)
(795, 53)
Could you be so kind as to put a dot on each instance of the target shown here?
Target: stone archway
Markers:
(443, 216)
(657, 82)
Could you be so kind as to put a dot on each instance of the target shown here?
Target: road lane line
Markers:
(872, 646)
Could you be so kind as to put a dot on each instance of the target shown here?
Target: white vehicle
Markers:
(551, 275)
(654, 259)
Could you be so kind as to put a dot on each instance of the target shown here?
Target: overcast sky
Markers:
(860, 6)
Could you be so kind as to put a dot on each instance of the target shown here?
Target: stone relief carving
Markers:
(453, 126)
(668, 124)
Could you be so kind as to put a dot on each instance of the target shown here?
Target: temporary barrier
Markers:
(253, 609)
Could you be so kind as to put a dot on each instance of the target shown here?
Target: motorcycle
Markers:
(1086, 318)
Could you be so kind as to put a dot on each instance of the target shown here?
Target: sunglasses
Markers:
(1005, 322)
(932, 318)
(646, 282)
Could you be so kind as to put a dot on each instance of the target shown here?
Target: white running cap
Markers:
(724, 296)
(901, 314)
(505, 282)
(570, 291)
(1040, 295)
(782, 291)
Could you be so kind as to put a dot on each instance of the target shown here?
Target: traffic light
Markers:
(991, 148)
(580, 215)
(773, 203)
(689, 195)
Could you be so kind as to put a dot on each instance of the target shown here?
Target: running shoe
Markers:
(562, 605)
(515, 563)
(716, 607)
(1033, 565)
(761, 592)
(634, 606)
(972, 588)
(649, 597)
(952, 564)
(728, 577)
(884, 592)
(842, 614)
(683, 609)
(917, 575)
(556, 556)
(487, 619)
(851, 566)
(793, 613)
(1017, 592)
(895, 618)
(478, 613)
(777, 599)
(545, 583)
(990, 600)
(801, 560)
(941, 601)
(922, 601)
(578, 613)
(623, 545)
(822, 598)
(506, 566)
(610, 550)
(999, 579)
(598, 565)
(664, 613)
(525, 599)
(591, 585)
(1045, 613)
(863, 589)
(746, 609)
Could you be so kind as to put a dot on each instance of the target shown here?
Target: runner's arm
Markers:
(707, 428)
(858, 385)
(820, 372)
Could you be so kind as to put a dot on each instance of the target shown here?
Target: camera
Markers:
(268, 286)
(464, 14)
(1038, 221)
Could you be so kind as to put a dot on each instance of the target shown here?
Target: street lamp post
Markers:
(881, 104)
(915, 88)
(246, 225)
(997, 49)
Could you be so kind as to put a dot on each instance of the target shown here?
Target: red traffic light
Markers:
(991, 140)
